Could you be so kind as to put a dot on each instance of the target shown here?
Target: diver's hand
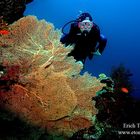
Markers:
(97, 53)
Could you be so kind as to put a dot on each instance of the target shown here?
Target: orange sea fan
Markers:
(51, 90)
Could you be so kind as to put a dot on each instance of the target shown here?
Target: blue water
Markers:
(118, 20)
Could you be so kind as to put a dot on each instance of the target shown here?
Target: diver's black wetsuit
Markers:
(85, 45)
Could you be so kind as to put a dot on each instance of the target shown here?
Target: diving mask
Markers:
(85, 25)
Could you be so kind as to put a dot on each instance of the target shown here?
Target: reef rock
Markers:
(12, 10)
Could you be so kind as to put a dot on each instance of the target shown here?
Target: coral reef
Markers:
(115, 108)
(48, 91)
(121, 77)
(3, 24)
(12, 10)
(12, 127)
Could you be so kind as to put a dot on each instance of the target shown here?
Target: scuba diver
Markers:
(86, 38)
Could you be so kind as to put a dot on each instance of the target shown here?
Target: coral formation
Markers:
(3, 24)
(122, 78)
(115, 108)
(12, 127)
(12, 10)
(49, 91)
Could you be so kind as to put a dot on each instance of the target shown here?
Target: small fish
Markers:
(1, 73)
(125, 90)
(4, 32)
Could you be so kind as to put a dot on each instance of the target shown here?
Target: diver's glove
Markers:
(97, 52)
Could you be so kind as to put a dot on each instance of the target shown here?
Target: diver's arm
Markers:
(73, 29)
(102, 43)
(64, 39)
(70, 37)
(96, 38)
(101, 40)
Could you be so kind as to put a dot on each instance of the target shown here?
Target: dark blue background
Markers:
(119, 21)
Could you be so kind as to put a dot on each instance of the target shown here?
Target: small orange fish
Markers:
(125, 90)
(4, 32)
